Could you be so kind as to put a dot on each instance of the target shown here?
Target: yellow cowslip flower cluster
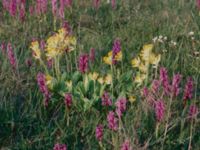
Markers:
(55, 45)
(102, 80)
(132, 98)
(142, 62)
(105, 80)
(108, 59)
(49, 79)
(36, 49)
(59, 43)
(93, 76)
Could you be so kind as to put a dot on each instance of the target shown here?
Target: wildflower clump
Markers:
(146, 58)
(56, 45)
(114, 55)
(59, 43)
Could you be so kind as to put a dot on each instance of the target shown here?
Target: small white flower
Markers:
(155, 39)
(192, 38)
(165, 38)
(160, 40)
(164, 51)
(191, 33)
(160, 36)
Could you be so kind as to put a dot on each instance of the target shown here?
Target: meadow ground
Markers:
(144, 94)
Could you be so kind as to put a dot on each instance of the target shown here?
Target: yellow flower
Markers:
(108, 79)
(69, 84)
(143, 67)
(70, 42)
(136, 62)
(59, 43)
(36, 49)
(154, 60)
(107, 60)
(140, 78)
(118, 57)
(93, 76)
(110, 54)
(132, 99)
(146, 52)
(49, 80)
(100, 80)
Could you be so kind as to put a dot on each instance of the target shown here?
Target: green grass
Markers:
(26, 124)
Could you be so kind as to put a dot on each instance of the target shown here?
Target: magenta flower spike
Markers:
(99, 132)
(96, 4)
(193, 111)
(54, 7)
(165, 81)
(106, 100)
(188, 91)
(13, 7)
(83, 63)
(159, 110)
(68, 100)
(112, 121)
(175, 84)
(126, 145)
(11, 56)
(60, 147)
(43, 87)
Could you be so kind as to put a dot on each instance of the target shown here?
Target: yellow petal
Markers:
(146, 52)
(143, 67)
(140, 78)
(135, 62)
(107, 60)
(118, 57)
(108, 79)
(132, 99)
(35, 47)
(100, 80)
(93, 76)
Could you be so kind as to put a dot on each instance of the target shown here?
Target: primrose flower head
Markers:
(59, 43)
(93, 76)
(154, 60)
(35, 47)
(146, 52)
(136, 62)
(100, 80)
(139, 79)
(108, 59)
(108, 79)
